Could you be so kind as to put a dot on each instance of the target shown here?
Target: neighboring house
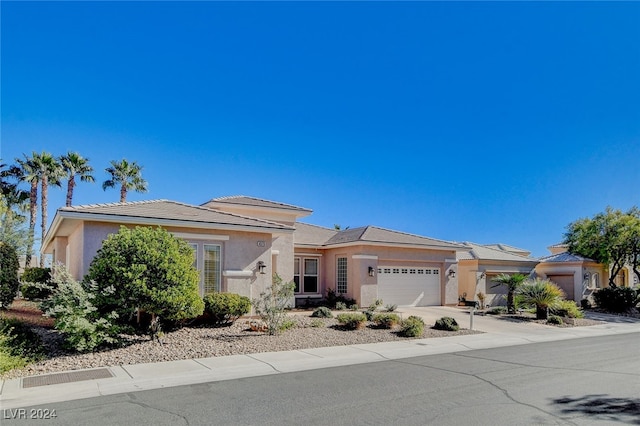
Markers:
(241, 241)
(481, 263)
(579, 276)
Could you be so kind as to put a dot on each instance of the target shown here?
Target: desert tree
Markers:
(74, 165)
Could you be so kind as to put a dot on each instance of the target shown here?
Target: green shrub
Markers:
(390, 308)
(555, 319)
(36, 275)
(412, 327)
(497, 310)
(333, 299)
(225, 308)
(375, 305)
(354, 307)
(341, 306)
(149, 269)
(446, 323)
(19, 339)
(567, 309)
(369, 314)
(7, 361)
(322, 312)
(317, 323)
(543, 294)
(9, 266)
(616, 299)
(288, 324)
(84, 328)
(273, 302)
(352, 321)
(585, 304)
(386, 320)
(36, 283)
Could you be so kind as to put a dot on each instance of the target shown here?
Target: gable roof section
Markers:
(481, 252)
(565, 257)
(511, 249)
(162, 213)
(314, 235)
(244, 200)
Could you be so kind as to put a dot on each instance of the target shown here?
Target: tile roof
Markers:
(306, 234)
(564, 257)
(506, 247)
(326, 237)
(244, 200)
(171, 211)
(481, 252)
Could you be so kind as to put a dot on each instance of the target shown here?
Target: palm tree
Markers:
(50, 172)
(29, 173)
(127, 175)
(512, 282)
(543, 294)
(74, 165)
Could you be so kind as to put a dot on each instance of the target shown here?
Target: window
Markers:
(341, 281)
(305, 275)
(195, 254)
(296, 274)
(310, 283)
(211, 268)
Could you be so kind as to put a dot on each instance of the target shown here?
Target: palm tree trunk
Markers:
(542, 312)
(510, 305)
(70, 185)
(123, 194)
(43, 206)
(33, 213)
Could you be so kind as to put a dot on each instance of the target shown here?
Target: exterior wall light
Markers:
(261, 266)
(586, 275)
(371, 271)
(452, 273)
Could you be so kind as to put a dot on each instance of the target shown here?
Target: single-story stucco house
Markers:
(241, 241)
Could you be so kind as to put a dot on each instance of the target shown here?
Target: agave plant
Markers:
(543, 294)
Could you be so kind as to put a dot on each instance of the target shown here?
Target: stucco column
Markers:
(450, 282)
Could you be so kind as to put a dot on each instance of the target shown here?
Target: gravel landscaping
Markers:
(203, 342)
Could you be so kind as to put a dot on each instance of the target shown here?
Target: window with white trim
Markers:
(212, 279)
(305, 275)
(341, 279)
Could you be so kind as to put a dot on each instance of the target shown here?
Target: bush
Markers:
(543, 294)
(390, 308)
(446, 323)
(341, 306)
(369, 314)
(322, 312)
(317, 323)
(386, 320)
(36, 283)
(287, 324)
(497, 310)
(225, 308)
(616, 299)
(585, 304)
(567, 309)
(9, 266)
(333, 299)
(20, 340)
(352, 321)
(149, 269)
(76, 317)
(272, 303)
(412, 327)
(555, 319)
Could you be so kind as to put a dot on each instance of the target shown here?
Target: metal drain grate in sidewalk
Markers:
(70, 377)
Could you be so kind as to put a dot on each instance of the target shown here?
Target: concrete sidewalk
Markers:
(131, 378)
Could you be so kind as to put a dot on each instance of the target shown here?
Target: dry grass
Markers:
(27, 312)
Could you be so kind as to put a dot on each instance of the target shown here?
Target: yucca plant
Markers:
(543, 294)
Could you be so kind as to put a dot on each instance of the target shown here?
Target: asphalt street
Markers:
(584, 381)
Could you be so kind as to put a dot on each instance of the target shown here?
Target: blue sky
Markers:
(485, 122)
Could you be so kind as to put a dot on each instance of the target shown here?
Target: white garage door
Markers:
(409, 286)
